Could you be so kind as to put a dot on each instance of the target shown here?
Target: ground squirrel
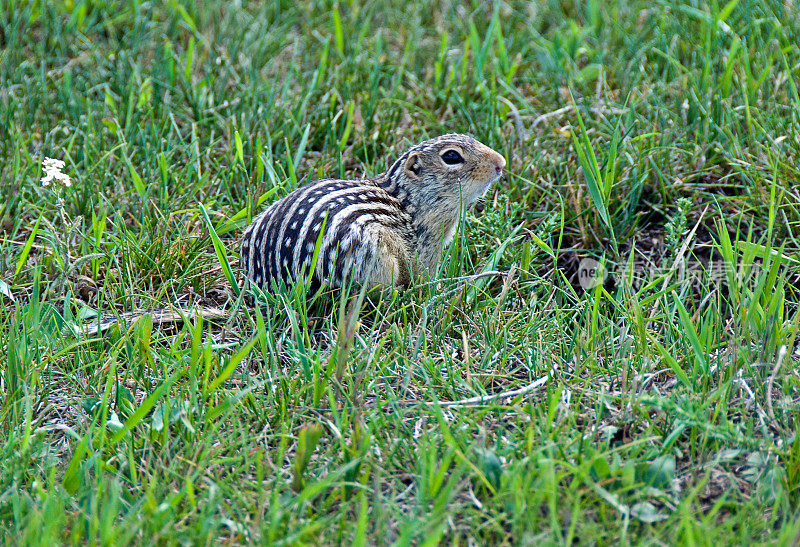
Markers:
(377, 231)
(380, 230)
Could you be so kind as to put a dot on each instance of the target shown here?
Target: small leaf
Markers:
(157, 422)
(658, 473)
(124, 393)
(600, 468)
(23, 256)
(239, 148)
(113, 422)
(90, 405)
(306, 443)
(137, 181)
(145, 93)
(490, 465)
(647, 512)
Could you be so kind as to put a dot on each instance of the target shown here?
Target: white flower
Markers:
(52, 172)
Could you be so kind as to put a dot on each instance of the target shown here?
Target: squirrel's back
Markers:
(359, 220)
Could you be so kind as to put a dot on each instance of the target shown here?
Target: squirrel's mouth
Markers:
(488, 184)
(470, 194)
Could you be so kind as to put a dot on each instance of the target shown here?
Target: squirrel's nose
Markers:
(500, 164)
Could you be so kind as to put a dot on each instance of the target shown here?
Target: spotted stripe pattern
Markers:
(367, 234)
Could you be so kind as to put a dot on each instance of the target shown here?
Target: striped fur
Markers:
(280, 243)
(377, 231)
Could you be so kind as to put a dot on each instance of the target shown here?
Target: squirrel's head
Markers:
(449, 168)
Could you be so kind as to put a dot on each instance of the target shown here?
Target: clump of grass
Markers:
(676, 228)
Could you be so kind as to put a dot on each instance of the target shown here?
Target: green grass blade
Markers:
(219, 249)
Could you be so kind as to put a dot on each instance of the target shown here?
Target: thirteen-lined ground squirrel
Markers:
(376, 231)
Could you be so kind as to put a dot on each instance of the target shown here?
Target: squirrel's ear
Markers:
(413, 166)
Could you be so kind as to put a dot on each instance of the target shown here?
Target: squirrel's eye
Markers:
(451, 157)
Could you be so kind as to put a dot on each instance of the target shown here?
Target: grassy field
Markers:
(515, 400)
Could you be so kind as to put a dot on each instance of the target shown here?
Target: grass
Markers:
(659, 138)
